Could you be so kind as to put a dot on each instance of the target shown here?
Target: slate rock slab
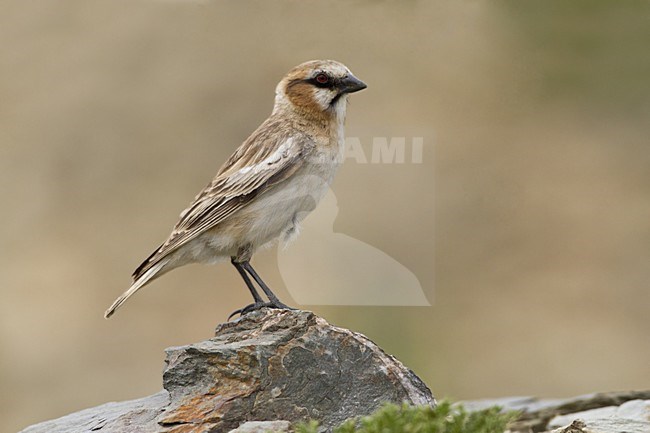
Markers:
(631, 417)
(604, 412)
(270, 365)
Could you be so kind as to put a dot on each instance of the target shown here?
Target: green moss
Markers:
(444, 418)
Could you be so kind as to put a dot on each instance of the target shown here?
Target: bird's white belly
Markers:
(274, 213)
(280, 209)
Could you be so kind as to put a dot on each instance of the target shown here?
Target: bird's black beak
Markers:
(351, 84)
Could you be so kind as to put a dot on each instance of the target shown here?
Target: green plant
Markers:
(444, 418)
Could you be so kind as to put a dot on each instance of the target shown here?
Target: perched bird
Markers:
(267, 186)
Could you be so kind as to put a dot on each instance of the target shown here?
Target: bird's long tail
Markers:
(145, 278)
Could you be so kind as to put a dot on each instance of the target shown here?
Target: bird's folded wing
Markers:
(237, 183)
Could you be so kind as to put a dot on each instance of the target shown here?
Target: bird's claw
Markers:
(259, 305)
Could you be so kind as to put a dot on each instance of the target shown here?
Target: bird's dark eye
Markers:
(322, 78)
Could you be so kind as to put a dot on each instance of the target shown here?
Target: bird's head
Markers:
(318, 87)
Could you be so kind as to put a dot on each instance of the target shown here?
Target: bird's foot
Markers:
(258, 306)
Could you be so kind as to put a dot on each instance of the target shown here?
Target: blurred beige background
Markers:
(527, 224)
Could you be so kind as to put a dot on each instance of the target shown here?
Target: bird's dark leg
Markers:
(274, 301)
(249, 283)
(259, 302)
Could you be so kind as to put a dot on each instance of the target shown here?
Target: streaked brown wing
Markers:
(255, 166)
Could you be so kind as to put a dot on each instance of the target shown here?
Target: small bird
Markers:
(267, 186)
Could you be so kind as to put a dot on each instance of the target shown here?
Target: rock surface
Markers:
(613, 412)
(631, 417)
(263, 427)
(269, 365)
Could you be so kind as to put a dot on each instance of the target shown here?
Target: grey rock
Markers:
(611, 412)
(263, 427)
(137, 416)
(522, 404)
(577, 426)
(269, 365)
(630, 417)
(289, 365)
